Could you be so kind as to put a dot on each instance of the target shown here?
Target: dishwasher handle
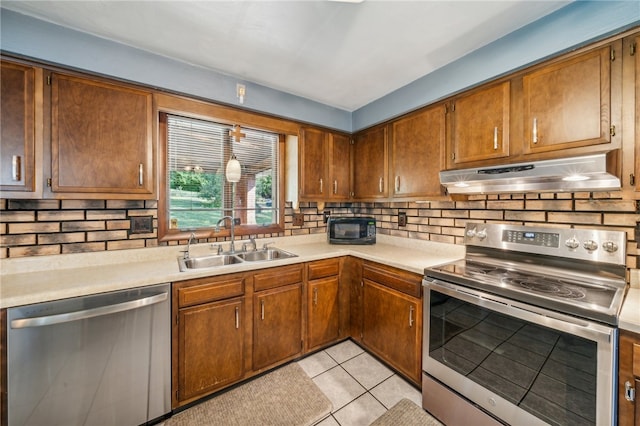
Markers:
(89, 313)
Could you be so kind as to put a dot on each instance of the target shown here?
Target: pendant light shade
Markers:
(233, 171)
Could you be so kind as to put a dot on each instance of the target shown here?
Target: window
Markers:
(197, 195)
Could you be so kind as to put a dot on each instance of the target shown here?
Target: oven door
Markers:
(523, 364)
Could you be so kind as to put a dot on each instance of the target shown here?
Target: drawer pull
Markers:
(237, 317)
(321, 186)
(315, 296)
(495, 137)
(140, 174)
(534, 131)
(262, 310)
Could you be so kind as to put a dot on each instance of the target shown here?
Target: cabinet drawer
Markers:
(277, 277)
(208, 290)
(323, 268)
(405, 282)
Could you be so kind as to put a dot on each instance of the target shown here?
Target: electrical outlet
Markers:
(402, 219)
(141, 225)
(298, 219)
(326, 213)
(637, 232)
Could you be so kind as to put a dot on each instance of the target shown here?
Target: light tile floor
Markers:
(360, 387)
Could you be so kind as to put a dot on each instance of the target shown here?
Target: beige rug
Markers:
(286, 396)
(406, 413)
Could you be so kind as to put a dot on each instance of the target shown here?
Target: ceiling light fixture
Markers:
(241, 90)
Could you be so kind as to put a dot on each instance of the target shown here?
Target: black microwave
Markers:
(351, 230)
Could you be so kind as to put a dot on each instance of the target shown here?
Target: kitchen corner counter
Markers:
(38, 279)
(630, 313)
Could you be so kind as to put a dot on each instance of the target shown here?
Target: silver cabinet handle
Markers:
(380, 183)
(534, 131)
(237, 317)
(335, 186)
(495, 137)
(629, 392)
(397, 183)
(410, 316)
(321, 189)
(315, 296)
(88, 313)
(262, 309)
(140, 174)
(16, 168)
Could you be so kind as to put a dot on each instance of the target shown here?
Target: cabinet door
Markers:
(323, 323)
(277, 325)
(480, 125)
(211, 347)
(391, 328)
(568, 104)
(340, 167)
(636, 44)
(101, 138)
(370, 153)
(314, 183)
(628, 372)
(17, 139)
(417, 153)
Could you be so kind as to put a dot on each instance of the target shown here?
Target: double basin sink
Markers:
(217, 260)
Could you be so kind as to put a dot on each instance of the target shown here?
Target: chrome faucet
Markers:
(232, 249)
(192, 237)
(252, 241)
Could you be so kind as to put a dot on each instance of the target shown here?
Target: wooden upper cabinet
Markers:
(480, 125)
(340, 166)
(567, 104)
(418, 153)
(312, 148)
(324, 159)
(371, 170)
(101, 139)
(633, 47)
(18, 127)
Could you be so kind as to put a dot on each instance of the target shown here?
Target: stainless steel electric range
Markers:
(525, 326)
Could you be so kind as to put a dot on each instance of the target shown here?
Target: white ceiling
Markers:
(338, 53)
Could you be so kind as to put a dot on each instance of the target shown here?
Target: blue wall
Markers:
(574, 25)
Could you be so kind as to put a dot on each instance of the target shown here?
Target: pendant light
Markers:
(233, 170)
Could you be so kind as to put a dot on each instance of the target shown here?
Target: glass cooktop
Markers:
(587, 297)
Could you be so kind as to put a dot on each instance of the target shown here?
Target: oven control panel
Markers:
(545, 239)
(587, 244)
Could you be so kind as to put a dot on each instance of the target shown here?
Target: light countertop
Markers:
(38, 279)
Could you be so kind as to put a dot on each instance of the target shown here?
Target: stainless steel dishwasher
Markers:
(96, 360)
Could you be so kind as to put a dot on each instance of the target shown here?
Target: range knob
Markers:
(590, 245)
(471, 232)
(572, 243)
(609, 246)
(481, 234)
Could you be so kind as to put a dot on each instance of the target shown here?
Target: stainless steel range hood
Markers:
(595, 172)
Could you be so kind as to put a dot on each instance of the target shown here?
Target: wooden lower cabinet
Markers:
(323, 303)
(392, 317)
(628, 375)
(209, 335)
(231, 327)
(277, 318)
(211, 347)
(277, 315)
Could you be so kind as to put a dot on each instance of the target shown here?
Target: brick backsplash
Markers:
(41, 227)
